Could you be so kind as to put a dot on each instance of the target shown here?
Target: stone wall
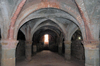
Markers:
(77, 50)
(53, 47)
(39, 46)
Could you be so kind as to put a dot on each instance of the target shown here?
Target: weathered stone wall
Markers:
(77, 50)
(53, 47)
(20, 49)
(40, 46)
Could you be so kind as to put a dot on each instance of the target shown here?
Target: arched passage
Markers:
(21, 21)
(68, 9)
(77, 47)
(60, 21)
(39, 40)
(53, 31)
(49, 22)
(73, 13)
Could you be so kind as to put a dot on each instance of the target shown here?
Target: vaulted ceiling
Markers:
(66, 16)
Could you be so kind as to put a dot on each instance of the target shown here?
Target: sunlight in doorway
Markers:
(46, 39)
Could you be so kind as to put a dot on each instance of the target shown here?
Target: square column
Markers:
(59, 43)
(91, 53)
(60, 48)
(34, 48)
(8, 52)
(67, 50)
(28, 50)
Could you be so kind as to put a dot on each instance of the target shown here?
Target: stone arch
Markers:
(32, 16)
(35, 7)
(47, 30)
(71, 30)
(75, 29)
(44, 26)
(63, 29)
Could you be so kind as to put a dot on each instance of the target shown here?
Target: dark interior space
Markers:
(77, 47)
(20, 36)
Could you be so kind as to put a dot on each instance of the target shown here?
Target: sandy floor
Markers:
(48, 58)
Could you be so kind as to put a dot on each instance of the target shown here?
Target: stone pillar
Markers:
(60, 48)
(67, 50)
(28, 49)
(8, 52)
(91, 53)
(59, 43)
(34, 48)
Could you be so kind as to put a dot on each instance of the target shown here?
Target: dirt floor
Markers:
(48, 58)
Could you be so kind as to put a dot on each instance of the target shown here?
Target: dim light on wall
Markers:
(46, 39)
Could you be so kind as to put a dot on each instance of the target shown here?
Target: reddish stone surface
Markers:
(13, 20)
(48, 4)
(91, 44)
(8, 44)
(86, 24)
